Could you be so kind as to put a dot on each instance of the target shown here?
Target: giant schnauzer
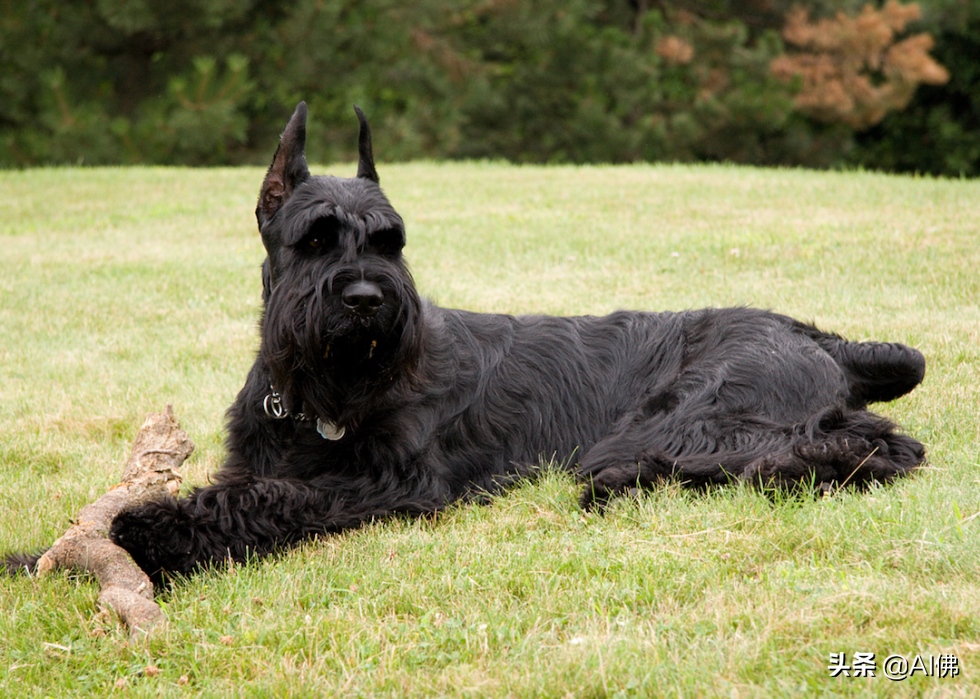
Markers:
(366, 400)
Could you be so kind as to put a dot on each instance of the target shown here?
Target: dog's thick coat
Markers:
(366, 400)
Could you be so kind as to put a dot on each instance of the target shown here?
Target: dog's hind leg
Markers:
(635, 457)
(691, 445)
(839, 447)
(836, 446)
(607, 476)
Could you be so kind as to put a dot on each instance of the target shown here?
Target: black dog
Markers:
(366, 400)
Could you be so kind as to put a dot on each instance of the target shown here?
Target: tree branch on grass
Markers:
(150, 473)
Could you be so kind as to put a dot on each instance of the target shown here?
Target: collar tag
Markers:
(329, 430)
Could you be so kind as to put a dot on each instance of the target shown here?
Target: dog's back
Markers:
(556, 386)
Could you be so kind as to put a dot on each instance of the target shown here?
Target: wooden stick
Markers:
(150, 473)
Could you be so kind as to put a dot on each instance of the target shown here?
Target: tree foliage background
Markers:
(819, 83)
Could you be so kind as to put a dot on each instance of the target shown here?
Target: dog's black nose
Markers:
(363, 297)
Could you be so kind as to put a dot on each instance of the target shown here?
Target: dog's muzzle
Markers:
(363, 297)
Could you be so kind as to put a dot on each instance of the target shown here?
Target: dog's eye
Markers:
(322, 235)
(387, 241)
(313, 243)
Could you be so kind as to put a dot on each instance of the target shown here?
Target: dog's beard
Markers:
(327, 361)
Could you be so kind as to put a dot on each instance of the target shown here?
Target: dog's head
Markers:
(341, 312)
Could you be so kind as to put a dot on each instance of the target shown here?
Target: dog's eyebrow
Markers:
(379, 220)
(302, 225)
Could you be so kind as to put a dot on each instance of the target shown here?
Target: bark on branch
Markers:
(150, 473)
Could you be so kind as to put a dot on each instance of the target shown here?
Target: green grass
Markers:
(122, 290)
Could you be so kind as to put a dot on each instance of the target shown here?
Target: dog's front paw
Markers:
(20, 563)
(158, 535)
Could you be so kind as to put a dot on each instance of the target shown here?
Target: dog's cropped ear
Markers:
(365, 163)
(288, 169)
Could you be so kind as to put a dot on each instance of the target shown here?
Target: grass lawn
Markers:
(122, 290)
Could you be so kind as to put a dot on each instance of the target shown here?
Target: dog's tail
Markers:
(877, 371)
